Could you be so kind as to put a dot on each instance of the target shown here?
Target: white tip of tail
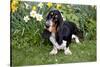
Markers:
(76, 38)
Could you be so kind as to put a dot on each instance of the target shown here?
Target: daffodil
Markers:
(34, 8)
(39, 17)
(26, 18)
(49, 4)
(33, 13)
(15, 1)
(40, 5)
(14, 5)
(58, 6)
(13, 8)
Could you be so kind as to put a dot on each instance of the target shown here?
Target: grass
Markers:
(39, 55)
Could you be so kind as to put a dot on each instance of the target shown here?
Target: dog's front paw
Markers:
(67, 52)
(53, 52)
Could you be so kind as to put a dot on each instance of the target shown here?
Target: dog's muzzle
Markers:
(48, 23)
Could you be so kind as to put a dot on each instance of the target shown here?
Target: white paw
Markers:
(53, 52)
(67, 52)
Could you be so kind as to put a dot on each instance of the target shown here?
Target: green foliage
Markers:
(85, 18)
(29, 33)
(25, 34)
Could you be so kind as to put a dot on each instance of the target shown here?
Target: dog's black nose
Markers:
(47, 26)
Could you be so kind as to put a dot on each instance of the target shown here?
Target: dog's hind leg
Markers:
(66, 48)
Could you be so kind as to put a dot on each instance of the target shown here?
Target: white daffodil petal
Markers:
(26, 18)
(39, 17)
(33, 13)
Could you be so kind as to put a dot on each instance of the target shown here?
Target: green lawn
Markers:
(38, 55)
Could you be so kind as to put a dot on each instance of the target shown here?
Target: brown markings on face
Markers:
(52, 28)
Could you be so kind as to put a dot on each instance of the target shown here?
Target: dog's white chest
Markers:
(53, 40)
(53, 35)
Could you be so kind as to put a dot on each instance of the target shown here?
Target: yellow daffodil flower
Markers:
(58, 6)
(14, 5)
(49, 4)
(34, 8)
(13, 8)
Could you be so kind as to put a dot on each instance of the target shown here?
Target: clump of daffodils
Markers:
(36, 15)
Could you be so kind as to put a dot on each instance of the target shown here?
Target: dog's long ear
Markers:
(60, 17)
(60, 20)
(59, 37)
(46, 34)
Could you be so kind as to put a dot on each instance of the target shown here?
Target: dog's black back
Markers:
(65, 32)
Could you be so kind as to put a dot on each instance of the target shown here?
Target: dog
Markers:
(59, 32)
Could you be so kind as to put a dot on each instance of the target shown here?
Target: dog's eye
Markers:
(51, 13)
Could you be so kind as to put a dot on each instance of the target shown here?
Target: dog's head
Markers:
(53, 20)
